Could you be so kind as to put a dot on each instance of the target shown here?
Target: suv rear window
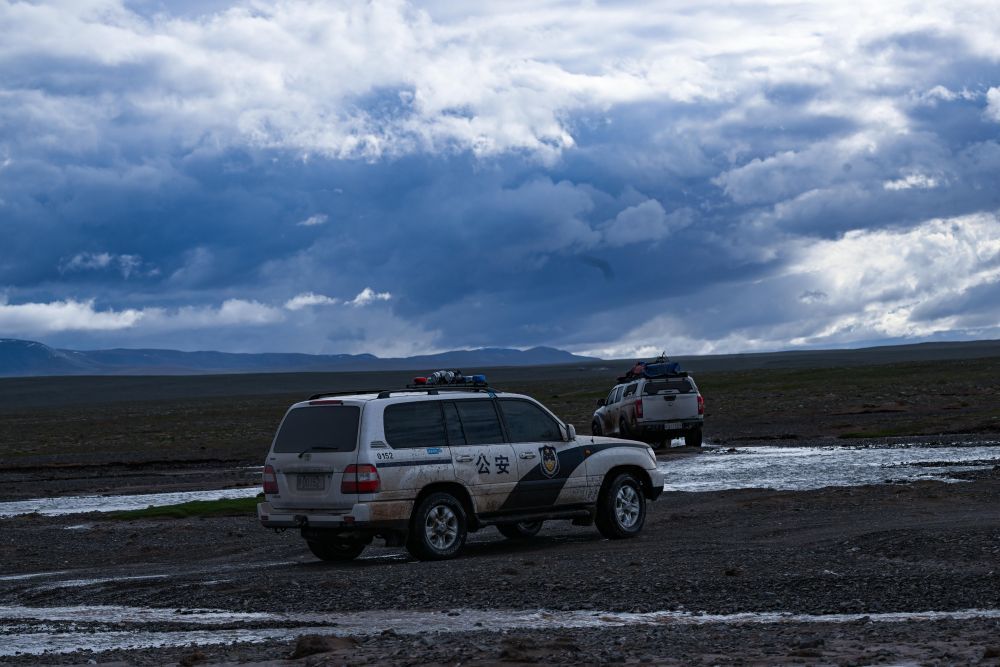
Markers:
(330, 428)
(658, 386)
(419, 424)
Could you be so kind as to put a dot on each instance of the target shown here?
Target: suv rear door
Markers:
(483, 459)
(669, 399)
(313, 446)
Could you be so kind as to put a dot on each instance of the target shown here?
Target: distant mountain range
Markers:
(19, 358)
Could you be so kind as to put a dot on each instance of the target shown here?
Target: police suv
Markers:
(424, 466)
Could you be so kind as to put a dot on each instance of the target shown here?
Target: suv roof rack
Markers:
(632, 378)
(344, 393)
(434, 389)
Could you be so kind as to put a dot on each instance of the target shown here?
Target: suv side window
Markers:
(526, 422)
(618, 395)
(480, 422)
(419, 424)
(629, 390)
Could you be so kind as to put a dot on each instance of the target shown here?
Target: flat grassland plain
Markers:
(838, 562)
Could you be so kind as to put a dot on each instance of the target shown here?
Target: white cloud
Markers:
(127, 265)
(299, 75)
(307, 299)
(314, 220)
(368, 295)
(993, 104)
(67, 315)
(911, 181)
(87, 261)
(940, 277)
(644, 223)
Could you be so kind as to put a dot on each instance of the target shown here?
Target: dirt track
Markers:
(868, 550)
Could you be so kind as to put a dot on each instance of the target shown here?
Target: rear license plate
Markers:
(310, 482)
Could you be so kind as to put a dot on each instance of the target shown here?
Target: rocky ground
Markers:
(863, 551)
(857, 552)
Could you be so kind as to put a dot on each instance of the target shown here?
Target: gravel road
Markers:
(861, 551)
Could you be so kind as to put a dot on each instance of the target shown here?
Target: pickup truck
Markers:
(653, 410)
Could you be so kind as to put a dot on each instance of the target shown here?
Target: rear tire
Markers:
(621, 508)
(595, 428)
(522, 530)
(438, 528)
(623, 429)
(340, 551)
(693, 437)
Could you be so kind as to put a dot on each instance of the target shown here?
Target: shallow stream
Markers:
(36, 630)
(713, 469)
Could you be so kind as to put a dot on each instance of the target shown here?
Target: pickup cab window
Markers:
(682, 386)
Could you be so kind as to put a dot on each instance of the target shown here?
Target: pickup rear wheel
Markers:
(336, 550)
(621, 508)
(692, 437)
(595, 428)
(438, 528)
(623, 428)
(522, 530)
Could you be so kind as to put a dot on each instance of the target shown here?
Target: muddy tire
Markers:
(692, 437)
(340, 551)
(595, 428)
(621, 508)
(623, 431)
(438, 528)
(522, 530)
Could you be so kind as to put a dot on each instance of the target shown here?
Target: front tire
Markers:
(438, 528)
(522, 530)
(693, 437)
(340, 551)
(595, 428)
(621, 508)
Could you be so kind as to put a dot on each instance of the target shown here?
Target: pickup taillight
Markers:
(270, 481)
(361, 478)
(638, 408)
(701, 404)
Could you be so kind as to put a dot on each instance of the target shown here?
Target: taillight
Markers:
(701, 404)
(638, 408)
(360, 479)
(270, 481)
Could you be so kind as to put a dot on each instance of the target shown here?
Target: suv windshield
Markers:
(328, 428)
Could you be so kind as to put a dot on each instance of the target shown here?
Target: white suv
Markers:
(423, 467)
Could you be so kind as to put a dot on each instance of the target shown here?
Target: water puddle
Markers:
(800, 468)
(21, 636)
(81, 504)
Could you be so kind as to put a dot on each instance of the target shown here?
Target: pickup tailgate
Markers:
(669, 400)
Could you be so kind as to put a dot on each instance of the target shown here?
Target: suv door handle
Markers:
(527, 455)
(464, 458)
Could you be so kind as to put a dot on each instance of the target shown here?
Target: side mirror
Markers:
(570, 432)
(601, 402)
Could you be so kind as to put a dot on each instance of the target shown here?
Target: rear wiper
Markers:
(319, 448)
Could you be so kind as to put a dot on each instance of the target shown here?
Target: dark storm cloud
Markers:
(378, 178)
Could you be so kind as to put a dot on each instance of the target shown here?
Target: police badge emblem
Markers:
(550, 461)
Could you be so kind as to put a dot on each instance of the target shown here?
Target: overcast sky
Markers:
(610, 178)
